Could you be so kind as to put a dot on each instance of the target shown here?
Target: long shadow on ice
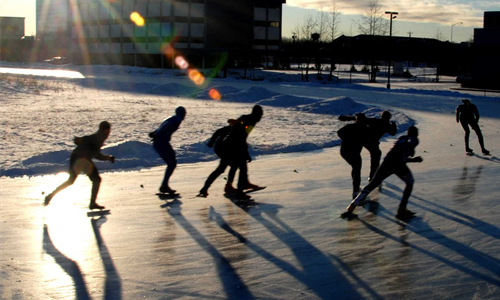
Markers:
(416, 225)
(454, 215)
(112, 282)
(233, 285)
(317, 271)
(68, 265)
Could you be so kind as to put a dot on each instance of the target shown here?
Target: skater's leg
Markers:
(72, 177)
(242, 179)
(213, 176)
(96, 183)
(168, 155)
(475, 127)
(375, 155)
(405, 174)
(465, 126)
(356, 173)
(385, 170)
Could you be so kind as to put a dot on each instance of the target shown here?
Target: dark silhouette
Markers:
(222, 151)
(88, 147)
(161, 144)
(394, 163)
(378, 127)
(468, 115)
(353, 137)
(236, 143)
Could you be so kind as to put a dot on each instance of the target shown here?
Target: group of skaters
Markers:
(230, 145)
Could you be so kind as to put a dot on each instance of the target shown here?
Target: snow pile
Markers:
(290, 123)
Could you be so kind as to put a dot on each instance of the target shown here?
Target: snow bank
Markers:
(41, 127)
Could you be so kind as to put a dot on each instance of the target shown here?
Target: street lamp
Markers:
(451, 38)
(392, 16)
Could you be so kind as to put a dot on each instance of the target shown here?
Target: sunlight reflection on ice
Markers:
(42, 72)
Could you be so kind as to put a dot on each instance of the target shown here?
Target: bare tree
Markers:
(322, 24)
(373, 21)
(333, 21)
(439, 35)
(296, 30)
(308, 26)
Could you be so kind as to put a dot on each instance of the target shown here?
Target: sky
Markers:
(421, 18)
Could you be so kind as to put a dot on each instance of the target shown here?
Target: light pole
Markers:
(392, 16)
(451, 38)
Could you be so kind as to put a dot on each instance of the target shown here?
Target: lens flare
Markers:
(214, 94)
(137, 19)
(181, 62)
(196, 77)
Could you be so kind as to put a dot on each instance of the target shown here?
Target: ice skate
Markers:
(485, 152)
(229, 189)
(47, 199)
(166, 190)
(203, 193)
(405, 213)
(95, 206)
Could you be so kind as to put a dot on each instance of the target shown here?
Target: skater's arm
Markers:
(393, 129)
(476, 113)
(346, 118)
(457, 113)
(78, 140)
(417, 159)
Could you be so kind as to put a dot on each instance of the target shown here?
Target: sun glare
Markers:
(196, 77)
(137, 19)
(214, 94)
(42, 72)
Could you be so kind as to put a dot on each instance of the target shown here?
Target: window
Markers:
(274, 24)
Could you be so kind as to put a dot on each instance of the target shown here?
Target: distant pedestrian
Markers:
(377, 129)
(394, 163)
(353, 137)
(468, 115)
(88, 147)
(161, 143)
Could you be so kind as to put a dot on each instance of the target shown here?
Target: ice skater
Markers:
(161, 143)
(88, 147)
(377, 129)
(468, 115)
(353, 137)
(217, 141)
(394, 163)
(238, 155)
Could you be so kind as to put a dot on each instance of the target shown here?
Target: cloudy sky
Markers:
(423, 18)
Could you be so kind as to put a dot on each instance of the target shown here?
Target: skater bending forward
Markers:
(88, 147)
(395, 163)
(161, 144)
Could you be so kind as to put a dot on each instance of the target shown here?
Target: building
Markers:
(486, 58)
(207, 32)
(11, 34)
(51, 19)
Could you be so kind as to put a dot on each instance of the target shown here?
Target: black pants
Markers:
(74, 171)
(385, 170)
(167, 153)
(375, 154)
(223, 164)
(353, 158)
(475, 127)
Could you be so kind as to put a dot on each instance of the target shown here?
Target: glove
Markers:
(111, 158)
(418, 159)
(77, 140)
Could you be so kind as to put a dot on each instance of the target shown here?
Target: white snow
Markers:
(291, 244)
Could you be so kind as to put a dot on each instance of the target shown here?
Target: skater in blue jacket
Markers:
(161, 144)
